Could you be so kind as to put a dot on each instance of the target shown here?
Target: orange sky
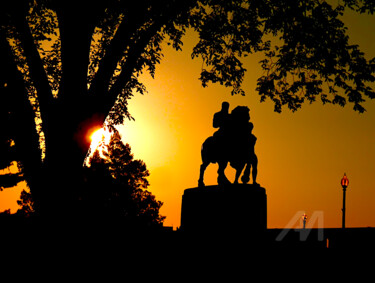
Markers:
(302, 155)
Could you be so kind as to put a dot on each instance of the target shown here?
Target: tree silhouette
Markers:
(26, 203)
(66, 67)
(116, 186)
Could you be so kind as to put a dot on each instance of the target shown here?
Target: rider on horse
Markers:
(233, 143)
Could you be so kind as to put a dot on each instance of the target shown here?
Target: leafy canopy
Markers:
(306, 50)
(82, 62)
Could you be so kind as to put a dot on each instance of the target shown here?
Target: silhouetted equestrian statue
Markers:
(233, 143)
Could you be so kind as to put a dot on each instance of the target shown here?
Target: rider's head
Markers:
(225, 106)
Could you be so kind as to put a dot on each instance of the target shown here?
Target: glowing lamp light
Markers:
(344, 182)
(304, 217)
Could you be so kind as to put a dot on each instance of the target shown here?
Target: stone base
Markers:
(226, 208)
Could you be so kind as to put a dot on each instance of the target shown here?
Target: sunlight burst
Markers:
(99, 138)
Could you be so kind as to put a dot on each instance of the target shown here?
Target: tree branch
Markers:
(127, 29)
(134, 54)
(35, 64)
(162, 17)
(24, 131)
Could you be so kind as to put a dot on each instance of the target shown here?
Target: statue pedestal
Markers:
(228, 208)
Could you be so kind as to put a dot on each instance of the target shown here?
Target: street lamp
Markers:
(344, 184)
(304, 218)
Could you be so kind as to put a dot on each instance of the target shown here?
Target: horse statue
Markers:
(235, 146)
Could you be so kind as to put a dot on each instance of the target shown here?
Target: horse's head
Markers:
(241, 114)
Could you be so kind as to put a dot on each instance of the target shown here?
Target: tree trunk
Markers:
(57, 182)
(71, 119)
(24, 132)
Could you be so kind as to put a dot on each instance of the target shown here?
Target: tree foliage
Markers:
(117, 186)
(67, 67)
(26, 204)
(306, 50)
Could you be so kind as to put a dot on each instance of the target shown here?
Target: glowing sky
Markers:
(302, 155)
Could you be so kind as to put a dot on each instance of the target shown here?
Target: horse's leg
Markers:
(201, 174)
(255, 169)
(222, 179)
(253, 162)
(246, 174)
(238, 173)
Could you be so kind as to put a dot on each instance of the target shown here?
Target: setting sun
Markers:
(98, 138)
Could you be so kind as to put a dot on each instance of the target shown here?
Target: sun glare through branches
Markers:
(99, 137)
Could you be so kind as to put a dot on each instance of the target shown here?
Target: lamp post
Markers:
(344, 184)
(304, 218)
